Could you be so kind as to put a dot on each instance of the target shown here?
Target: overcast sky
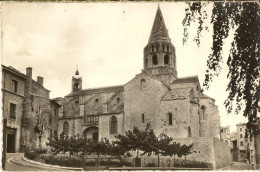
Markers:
(105, 40)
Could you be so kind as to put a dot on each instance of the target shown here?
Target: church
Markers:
(172, 105)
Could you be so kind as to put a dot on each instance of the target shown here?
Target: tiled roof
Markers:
(159, 31)
(96, 90)
(10, 68)
(201, 95)
(177, 93)
(191, 79)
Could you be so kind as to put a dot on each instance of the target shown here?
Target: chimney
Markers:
(29, 79)
(29, 72)
(40, 80)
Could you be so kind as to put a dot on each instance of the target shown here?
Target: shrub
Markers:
(150, 164)
(30, 154)
(64, 160)
(40, 151)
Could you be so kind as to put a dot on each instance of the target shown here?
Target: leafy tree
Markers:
(244, 55)
(173, 149)
(133, 140)
(65, 144)
(160, 146)
(101, 147)
(185, 150)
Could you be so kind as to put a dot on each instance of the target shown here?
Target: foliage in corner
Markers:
(244, 55)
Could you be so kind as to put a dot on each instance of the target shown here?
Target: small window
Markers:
(66, 128)
(113, 125)
(203, 110)
(55, 112)
(152, 48)
(14, 85)
(241, 136)
(240, 129)
(157, 47)
(96, 101)
(163, 47)
(12, 111)
(50, 119)
(146, 63)
(176, 112)
(168, 48)
(189, 132)
(76, 102)
(166, 59)
(155, 60)
(142, 118)
(170, 118)
(143, 85)
(241, 143)
(118, 100)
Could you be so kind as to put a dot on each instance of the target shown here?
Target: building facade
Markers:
(13, 84)
(31, 117)
(171, 105)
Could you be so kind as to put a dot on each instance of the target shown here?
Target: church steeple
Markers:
(159, 53)
(159, 31)
(76, 82)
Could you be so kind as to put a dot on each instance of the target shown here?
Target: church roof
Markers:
(177, 93)
(190, 79)
(159, 31)
(97, 90)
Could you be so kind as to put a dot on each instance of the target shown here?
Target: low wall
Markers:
(205, 149)
(222, 154)
(203, 152)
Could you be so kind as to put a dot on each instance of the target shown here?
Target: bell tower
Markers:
(76, 82)
(159, 53)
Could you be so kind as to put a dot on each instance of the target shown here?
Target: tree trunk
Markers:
(185, 160)
(137, 156)
(173, 159)
(158, 160)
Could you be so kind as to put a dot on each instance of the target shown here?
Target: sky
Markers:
(105, 41)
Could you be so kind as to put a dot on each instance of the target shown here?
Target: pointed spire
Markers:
(77, 71)
(159, 31)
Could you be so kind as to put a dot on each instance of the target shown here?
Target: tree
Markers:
(101, 147)
(173, 149)
(185, 150)
(133, 140)
(161, 145)
(65, 144)
(244, 55)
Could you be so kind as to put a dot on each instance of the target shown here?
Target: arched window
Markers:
(166, 59)
(168, 48)
(155, 60)
(152, 48)
(143, 85)
(157, 47)
(170, 118)
(146, 63)
(66, 128)
(203, 111)
(163, 47)
(142, 118)
(189, 132)
(113, 125)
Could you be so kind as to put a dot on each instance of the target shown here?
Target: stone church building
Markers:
(172, 105)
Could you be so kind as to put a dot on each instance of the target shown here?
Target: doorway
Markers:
(10, 140)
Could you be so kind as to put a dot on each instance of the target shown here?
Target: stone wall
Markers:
(184, 116)
(104, 126)
(138, 102)
(222, 154)
(16, 98)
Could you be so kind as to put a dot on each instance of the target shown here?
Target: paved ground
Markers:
(240, 166)
(26, 165)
